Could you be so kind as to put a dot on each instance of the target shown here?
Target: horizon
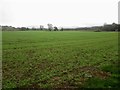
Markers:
(45, 25)
(38, 26)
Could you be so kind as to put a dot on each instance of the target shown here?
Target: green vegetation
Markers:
(70, 59)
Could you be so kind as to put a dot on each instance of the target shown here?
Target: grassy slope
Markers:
(60, 59)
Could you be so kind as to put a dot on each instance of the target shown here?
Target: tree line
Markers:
(105, 27)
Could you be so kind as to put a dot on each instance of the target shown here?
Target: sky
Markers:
(119, 12)
(60, 13)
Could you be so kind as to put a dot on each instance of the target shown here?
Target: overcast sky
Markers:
(58, 12)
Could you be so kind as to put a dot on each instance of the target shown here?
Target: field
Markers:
(66, 59)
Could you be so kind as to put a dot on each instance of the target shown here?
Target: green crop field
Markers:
(61, 59)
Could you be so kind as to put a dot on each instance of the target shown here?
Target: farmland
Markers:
(66, 59)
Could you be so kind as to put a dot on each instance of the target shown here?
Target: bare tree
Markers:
(41, 27)
(50, 27)
(55, 28)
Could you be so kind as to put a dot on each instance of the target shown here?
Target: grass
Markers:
(60, 59)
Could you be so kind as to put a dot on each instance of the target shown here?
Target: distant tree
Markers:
(50, 27)
(33, 28)
(118, 27)
(115, 26)
(23, 28)
(8, 28)
(61, 29)
(41, 27)
(110, 27)
(55, 28)
(105, 23)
